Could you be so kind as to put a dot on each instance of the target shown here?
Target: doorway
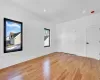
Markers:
(93, 42)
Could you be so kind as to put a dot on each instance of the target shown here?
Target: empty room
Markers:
(49, 39)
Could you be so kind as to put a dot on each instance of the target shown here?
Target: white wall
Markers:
(33, 34)
(71, 36)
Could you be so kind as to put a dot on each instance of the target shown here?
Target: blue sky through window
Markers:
(12, 27)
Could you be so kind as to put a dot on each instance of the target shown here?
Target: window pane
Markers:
(46, 37)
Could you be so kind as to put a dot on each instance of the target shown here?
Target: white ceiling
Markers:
(60, 10)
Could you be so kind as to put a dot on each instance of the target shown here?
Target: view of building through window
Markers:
(46, 37)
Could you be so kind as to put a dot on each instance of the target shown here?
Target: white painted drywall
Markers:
(33, 34)
(71, 36)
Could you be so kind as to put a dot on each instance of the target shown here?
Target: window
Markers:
(46, 37)
(13, 37)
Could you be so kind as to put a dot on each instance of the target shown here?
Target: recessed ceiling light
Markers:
(84, 11)
(44, 10)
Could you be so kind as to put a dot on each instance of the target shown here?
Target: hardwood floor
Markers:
(56, 66)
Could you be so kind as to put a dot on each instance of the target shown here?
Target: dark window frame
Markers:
(49, 37)
(5, 51)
